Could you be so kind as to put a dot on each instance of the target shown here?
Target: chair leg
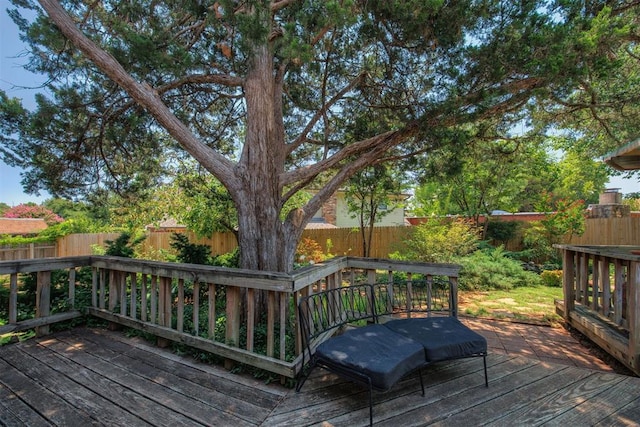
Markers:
(486, 378)
(370, 405)
(301, 381)
(303, 377)
(421, 381)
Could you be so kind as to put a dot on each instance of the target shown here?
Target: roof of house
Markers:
(22, 226)
(313, 225)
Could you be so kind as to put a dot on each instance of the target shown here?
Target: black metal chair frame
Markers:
(322, 313)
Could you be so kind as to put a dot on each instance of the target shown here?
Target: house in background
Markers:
(335, 214)
(22, 226)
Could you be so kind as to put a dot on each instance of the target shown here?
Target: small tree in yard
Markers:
(267, 96)
(440, 240)
(371, 195)
(566, 220)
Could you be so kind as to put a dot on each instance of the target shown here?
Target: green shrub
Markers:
(190, 253)
(502, 231)
(551, 278)
(123, 245)
(229, 259)
(491, 269)
(309, 251)
(439, 241)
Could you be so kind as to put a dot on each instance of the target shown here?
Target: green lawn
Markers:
(526, 304)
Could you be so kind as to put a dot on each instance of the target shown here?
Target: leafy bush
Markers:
(309, 251)
(491, 269)
(229, 259)
(123, 246)
(439, 241)
(70, 226)
(502, 231)
(190, 253)
(551, 278)
(538, 245)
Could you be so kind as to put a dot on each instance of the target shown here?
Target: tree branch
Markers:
(377, 144)
(322, 111)
(142, 93)
(281, 4)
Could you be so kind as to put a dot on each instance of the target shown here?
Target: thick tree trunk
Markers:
(266, 243)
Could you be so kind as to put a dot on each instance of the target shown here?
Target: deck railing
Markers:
(240, 315)
(601, 286)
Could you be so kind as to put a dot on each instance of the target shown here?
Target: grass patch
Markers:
(533, 304)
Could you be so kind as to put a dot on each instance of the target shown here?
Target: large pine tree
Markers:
(274, 96)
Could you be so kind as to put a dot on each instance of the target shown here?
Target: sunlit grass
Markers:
(524, 304)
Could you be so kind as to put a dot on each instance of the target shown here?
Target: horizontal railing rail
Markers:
(243, 316)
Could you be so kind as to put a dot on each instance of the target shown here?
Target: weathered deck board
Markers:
(96, 377)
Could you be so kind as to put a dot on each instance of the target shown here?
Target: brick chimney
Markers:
(609, 205)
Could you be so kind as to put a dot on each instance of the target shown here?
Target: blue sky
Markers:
(19, 83)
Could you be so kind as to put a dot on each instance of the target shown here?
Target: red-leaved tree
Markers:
(33, 211)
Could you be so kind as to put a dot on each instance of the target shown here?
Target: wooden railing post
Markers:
(568, 282)
(633, 283)
(43, 299)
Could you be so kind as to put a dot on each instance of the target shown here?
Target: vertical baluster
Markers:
(196, 307)
(154, 300)
(162, 295)
(595, 283)
(168, 300)
(72, 288)
(113, 290)
(133, 279)
(103, 297)
(143, 298)
(271, 314)
(251, 305)
(606, 287)
(13, 298)
(94, 287)
(122, 287)
(180, 310)
(212, 310)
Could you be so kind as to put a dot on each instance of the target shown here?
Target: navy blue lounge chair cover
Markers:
(382, 355)
(443, 338)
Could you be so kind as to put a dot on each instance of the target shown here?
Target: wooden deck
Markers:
(88, 377)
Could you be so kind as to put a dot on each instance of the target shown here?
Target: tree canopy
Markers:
(272, 97)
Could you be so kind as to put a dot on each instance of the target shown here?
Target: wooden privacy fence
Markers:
(608, 231)
(28, 251)
(336, 241)
(156, 241)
